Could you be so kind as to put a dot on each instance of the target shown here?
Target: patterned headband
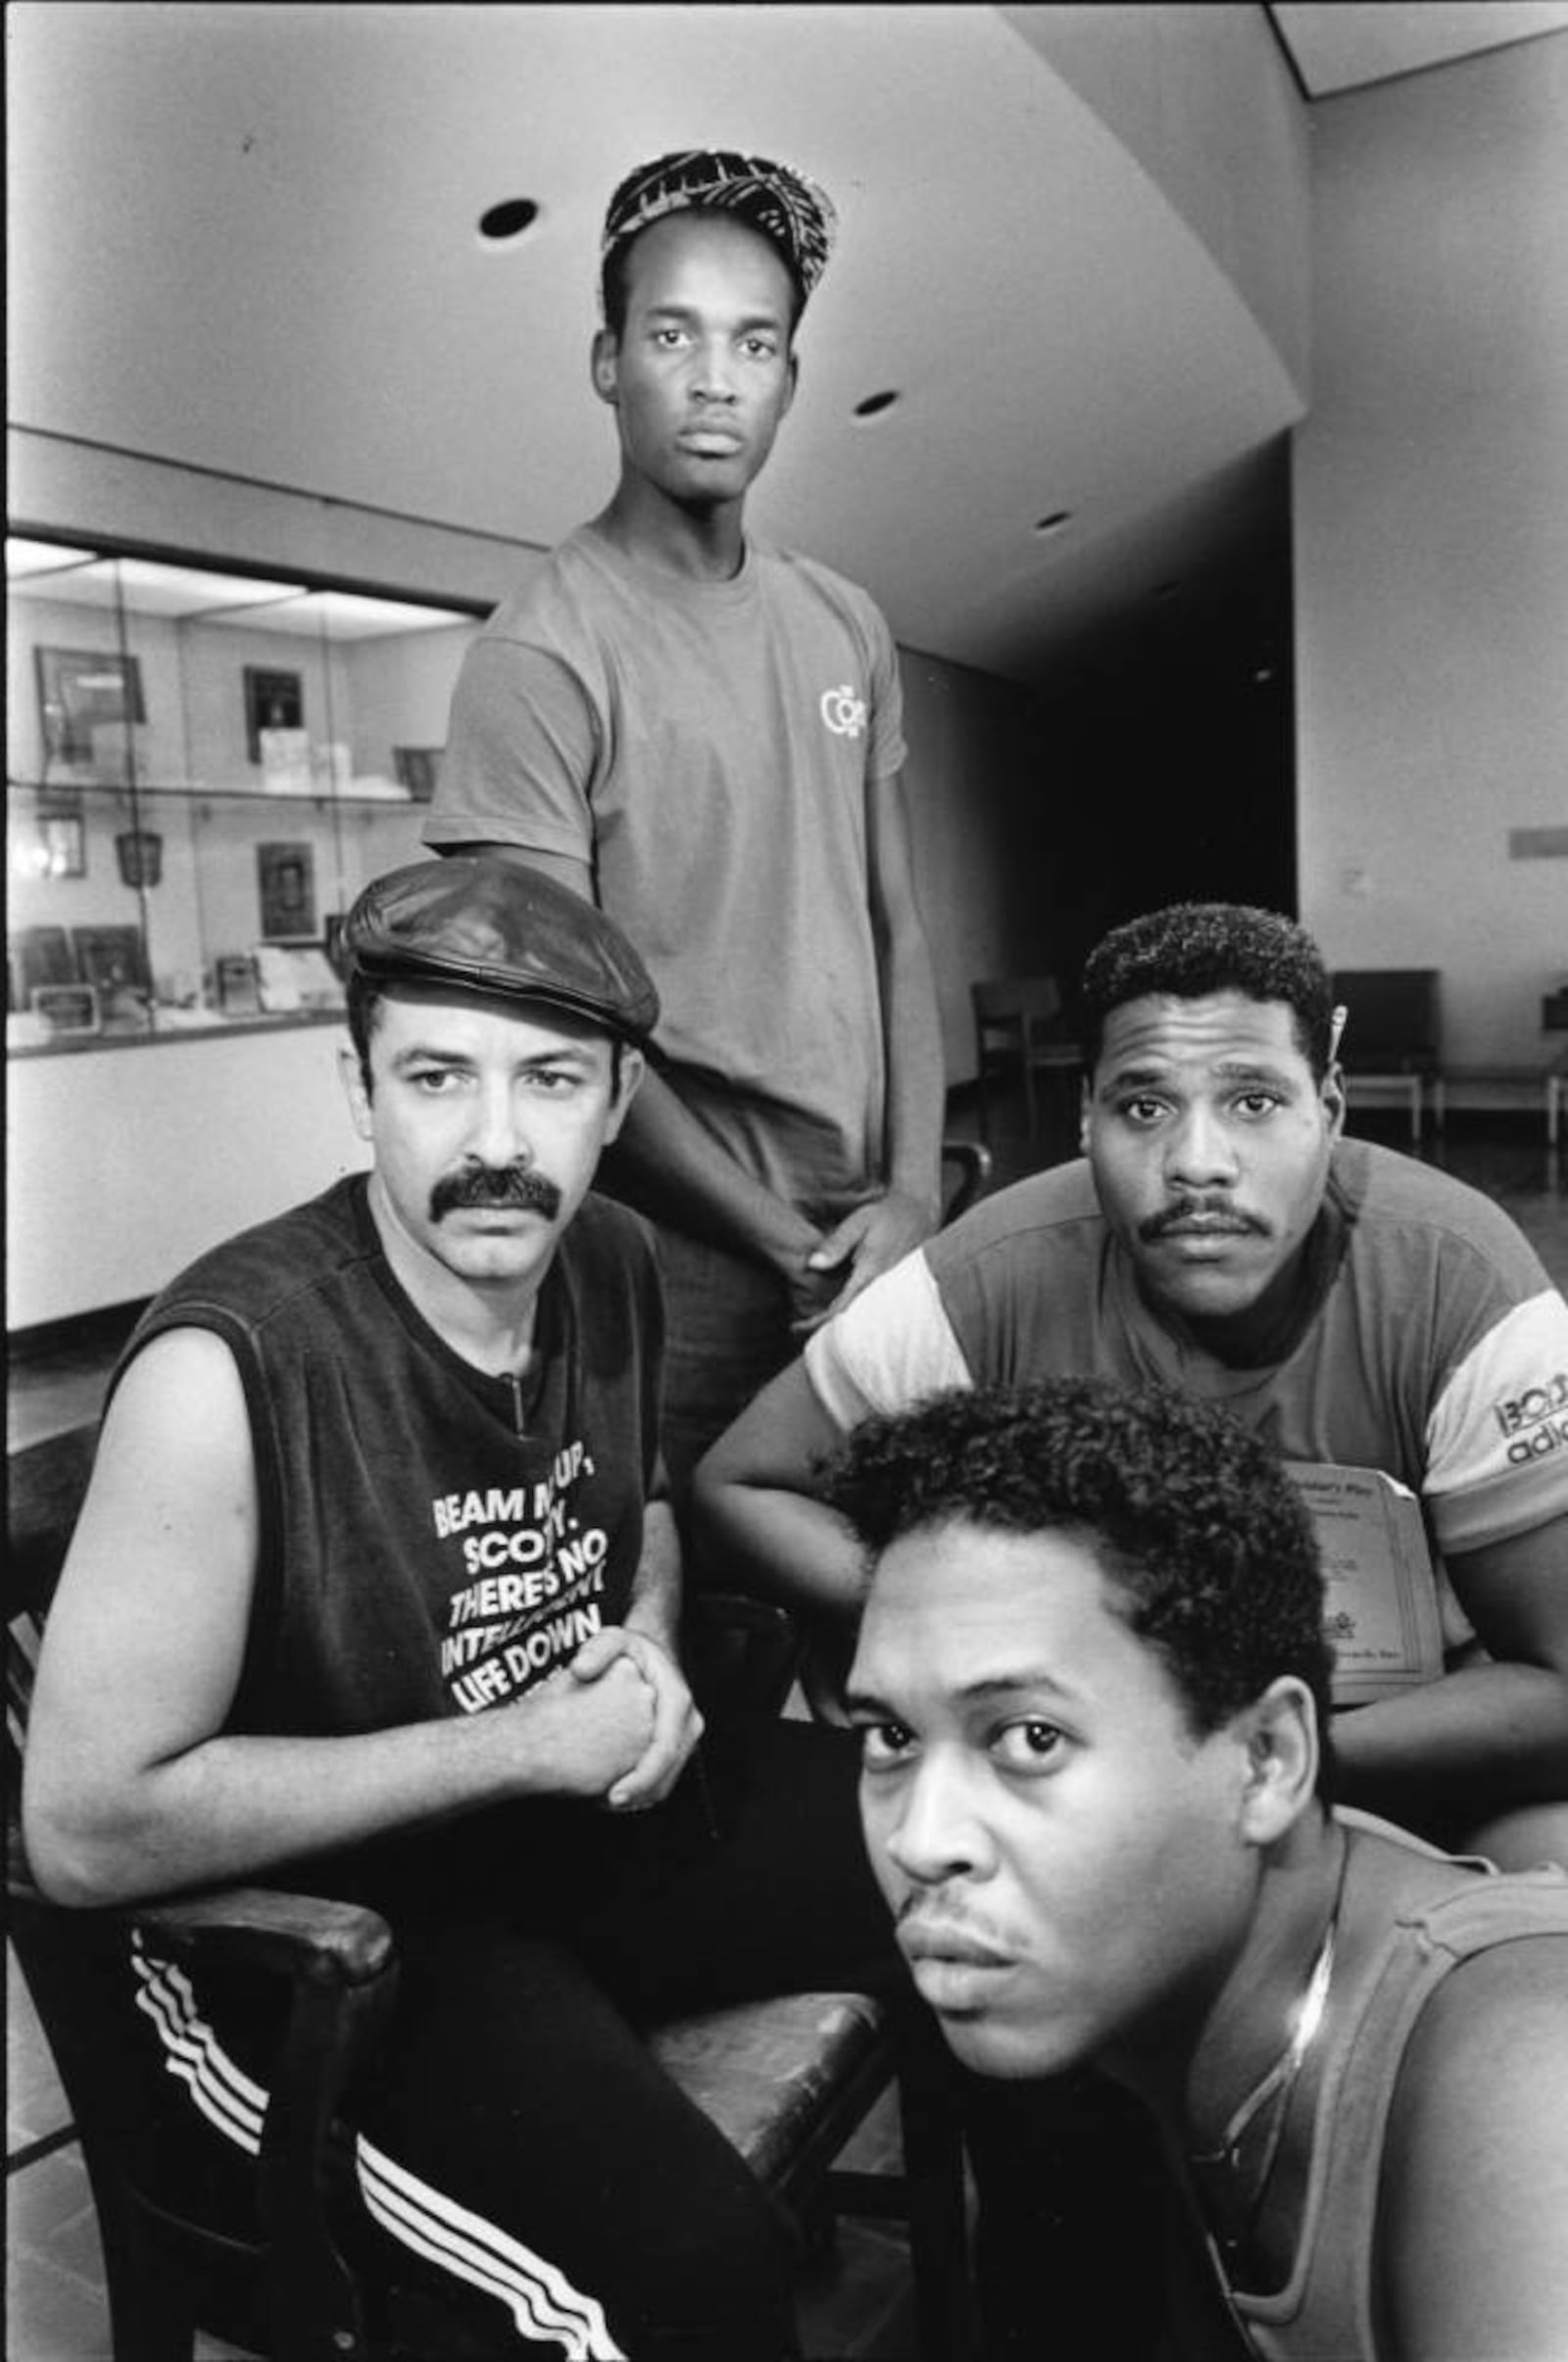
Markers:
(784, 206)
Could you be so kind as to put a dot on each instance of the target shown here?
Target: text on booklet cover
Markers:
(1382, 1615)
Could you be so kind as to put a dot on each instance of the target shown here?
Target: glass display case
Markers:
(204, 767)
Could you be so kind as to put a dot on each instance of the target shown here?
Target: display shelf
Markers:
(205, 767)
(161, 1034)
(195, 791)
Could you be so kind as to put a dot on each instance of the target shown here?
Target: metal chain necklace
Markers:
(1275, 2088)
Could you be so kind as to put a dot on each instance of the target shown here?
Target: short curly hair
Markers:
(1207, 1545)
(1191, 949)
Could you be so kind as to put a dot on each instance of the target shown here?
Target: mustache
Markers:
(945, 1925)
(1196, 1205)
(483, 1185)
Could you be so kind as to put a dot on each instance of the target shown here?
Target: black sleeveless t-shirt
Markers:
(433, 1541)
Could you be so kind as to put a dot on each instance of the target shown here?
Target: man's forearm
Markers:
(656, 1597)
(1477, 1742)
(782, 1544)
(687, 1178)
(238, 1806)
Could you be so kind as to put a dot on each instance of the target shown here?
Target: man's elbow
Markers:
(727, 1484)
(77, 1864)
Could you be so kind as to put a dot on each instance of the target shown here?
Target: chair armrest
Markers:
(306, 1936)
(338, 1965)
(341, 1971)
(294, 1935)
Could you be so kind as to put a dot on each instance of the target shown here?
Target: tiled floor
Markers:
(855, 2306)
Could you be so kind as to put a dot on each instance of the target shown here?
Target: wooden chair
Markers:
(1391, 1039)
(973, 1164)
(787, 2079)
(1019, 1025)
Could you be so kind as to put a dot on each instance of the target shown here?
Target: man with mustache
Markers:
(1357, 1307)
(703, 732)
(1091, 1684)
(376, 1592)
(1351, 1304)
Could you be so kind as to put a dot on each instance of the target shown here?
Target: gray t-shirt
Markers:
(707, 748)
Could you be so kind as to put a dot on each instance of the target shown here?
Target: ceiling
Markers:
(1335, 46)
(245, 237)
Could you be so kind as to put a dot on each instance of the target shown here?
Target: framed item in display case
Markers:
(42, 956)
(418, 768)
(285, 877)
(122, 750)
(234, 976)
(67, 1009)
(62, 844)
(273, 701)
(114, 958)
(79, 690)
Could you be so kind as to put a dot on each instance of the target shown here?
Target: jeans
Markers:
(727, 1333)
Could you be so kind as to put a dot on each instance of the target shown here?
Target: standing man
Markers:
(1091, 1682)
(704, 734)
(375, 1591)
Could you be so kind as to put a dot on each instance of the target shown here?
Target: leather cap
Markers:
(491, 925)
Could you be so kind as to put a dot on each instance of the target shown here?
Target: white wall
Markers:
(124, 1164)
(1432, 538)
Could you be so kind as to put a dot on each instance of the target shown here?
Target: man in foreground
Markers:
(375, 1591)
(1091, 1683)
(703, 733)
(1353, 1305)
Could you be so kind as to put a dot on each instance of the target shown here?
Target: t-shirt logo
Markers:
(1535, 1419)
(536, 1554)
(844, 712)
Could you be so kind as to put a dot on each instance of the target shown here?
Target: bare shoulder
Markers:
(1473, 2199)
(171, 1502)
(183, 1368)
(177, 1414)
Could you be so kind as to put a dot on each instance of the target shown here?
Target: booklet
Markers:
(1382, 1616)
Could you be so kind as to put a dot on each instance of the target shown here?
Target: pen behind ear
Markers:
(1336, 1029)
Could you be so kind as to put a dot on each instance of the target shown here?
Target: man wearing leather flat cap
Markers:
(703, 733)
(368, 1473)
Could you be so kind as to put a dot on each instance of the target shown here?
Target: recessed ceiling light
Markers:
(875, 403)
(509, 219)
(1054, 523)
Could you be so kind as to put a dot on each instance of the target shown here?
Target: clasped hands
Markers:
(627, 1722)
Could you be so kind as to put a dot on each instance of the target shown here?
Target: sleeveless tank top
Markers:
(1324, 2312)
(433, 1540)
